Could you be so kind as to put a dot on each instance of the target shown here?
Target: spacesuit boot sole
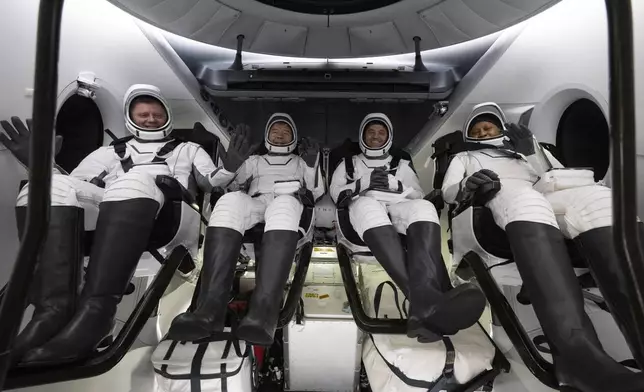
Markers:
(459, 309)
(188, 329)
(254, 331)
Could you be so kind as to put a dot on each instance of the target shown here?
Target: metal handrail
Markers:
(104, 361)
(622, 119)
(362, 320)
(40, 170)
(538, 366)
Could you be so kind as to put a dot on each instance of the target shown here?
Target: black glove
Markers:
(484, 183)
(379, 179)
(18, 138)
(239, 148)
(521, 139)
(309, 150)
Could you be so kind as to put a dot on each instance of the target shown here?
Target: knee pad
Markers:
(418, 210)
(366, 213)
(232, 211)
(590, 209)
(63, 192)
(522, 205)
(134, 185)
(283, 213)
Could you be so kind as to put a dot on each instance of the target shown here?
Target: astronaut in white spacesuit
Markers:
(113, 191)
(436, 308)
(274, 180)
(537, 209)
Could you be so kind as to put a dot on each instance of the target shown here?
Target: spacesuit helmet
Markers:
(151, 124)
(485, 125)
(277, 122)
(372, 143)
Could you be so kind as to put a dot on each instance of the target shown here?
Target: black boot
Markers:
(220, 258)
(599, 250)
(436, 308)
(122, 234)
(278, 250)
(56, 279)
(580, 361)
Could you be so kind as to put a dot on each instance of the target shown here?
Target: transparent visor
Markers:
(375, 135)
(280, 134)
(484, 128)
(148, 113)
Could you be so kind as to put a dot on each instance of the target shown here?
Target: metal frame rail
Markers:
(624, 174)
(40, 169)
(622, 119)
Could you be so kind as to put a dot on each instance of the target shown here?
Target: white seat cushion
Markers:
(419, 361)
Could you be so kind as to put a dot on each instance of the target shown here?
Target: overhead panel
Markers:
(333, 28)
(372, 40)
(198, 16)
(170, 11)
(216, 26)
(325, 42)
(280, 39)
(411, 25)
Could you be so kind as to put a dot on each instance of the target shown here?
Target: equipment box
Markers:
(323, 349)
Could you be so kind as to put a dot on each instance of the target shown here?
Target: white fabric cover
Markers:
(180, 363)
(379, 32)
(420, 361)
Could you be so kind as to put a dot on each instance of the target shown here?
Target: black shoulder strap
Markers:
(393, 165)
(348, 166)
(164, 151)
(120, 148)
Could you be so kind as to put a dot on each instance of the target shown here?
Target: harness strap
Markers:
(120, 148)
(446, 381)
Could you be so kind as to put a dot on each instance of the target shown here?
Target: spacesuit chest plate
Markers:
(507, 167)
(271, 168)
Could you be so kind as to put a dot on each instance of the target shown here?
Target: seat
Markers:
(346, 235)
(480, 249)
(251, 243)
(173, 247)
(393, 361)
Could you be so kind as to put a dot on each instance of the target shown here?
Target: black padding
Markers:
(345, 226)
(169, 218)
(199, 135)
(490, 236)
(166, 225)
(552, 149)
(348, 148)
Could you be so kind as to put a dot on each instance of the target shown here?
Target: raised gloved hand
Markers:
(521, 139)
(17, 139)
(484, 183)
(309, 150)
(239, 148)
(379, 178)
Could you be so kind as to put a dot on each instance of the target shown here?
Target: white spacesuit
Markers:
(113, 191)
(536, 209)
(273, 180)
(386, 199)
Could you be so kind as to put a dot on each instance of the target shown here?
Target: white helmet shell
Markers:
(273, 148)
(139, 90)
(490, 109)
(380, 151)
